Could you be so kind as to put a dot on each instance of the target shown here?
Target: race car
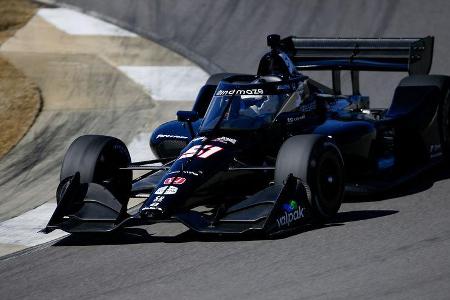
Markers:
(268, 152)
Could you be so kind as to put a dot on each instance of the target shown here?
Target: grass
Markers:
(20, 99)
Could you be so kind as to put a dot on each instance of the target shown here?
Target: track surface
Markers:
(391, 247)
(83, 93)
(83, 68)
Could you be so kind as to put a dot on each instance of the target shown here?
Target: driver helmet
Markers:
(258, 105)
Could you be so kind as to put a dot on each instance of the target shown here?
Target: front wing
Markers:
(91, 208)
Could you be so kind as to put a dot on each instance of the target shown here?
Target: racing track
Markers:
(392, 247)
(85, 75)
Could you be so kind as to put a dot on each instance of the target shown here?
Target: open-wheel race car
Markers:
(268, 152)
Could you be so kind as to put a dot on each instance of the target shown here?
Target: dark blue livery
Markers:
(268, 152)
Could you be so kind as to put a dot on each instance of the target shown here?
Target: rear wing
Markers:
(412, 55)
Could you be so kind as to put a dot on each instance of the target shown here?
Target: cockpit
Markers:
(249, 105)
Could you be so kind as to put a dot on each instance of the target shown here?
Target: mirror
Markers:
(187, 116)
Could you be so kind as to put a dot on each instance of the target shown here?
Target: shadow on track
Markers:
(141, 236)
(416, 185)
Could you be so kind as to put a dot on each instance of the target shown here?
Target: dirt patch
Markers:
(19, 97)
(19, 105)
(14, 14)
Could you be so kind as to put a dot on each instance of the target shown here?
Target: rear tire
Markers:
(444, 125)
(98, 158)
(318, 162)
(416, 100)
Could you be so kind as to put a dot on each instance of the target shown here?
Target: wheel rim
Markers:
(329, 179)
(329, 183)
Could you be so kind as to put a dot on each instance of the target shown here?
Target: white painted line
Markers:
(176, 83)
(23, 230)
(76, 23)
(139, 148)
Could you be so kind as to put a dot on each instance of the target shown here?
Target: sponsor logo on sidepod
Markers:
(292, 212)
(170, 136)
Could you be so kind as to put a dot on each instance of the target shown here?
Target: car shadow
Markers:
(141, 236)
(339, 220)
(420, 183)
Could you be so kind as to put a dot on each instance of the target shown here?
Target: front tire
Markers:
(318, 162)
(98, 159)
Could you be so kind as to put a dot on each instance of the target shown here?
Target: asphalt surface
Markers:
(394, 247)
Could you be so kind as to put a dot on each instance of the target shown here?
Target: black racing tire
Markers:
(444, 125)
(98, 158)
(317, 161)
(442, 85)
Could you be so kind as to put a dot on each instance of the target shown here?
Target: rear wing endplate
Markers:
(412, 55)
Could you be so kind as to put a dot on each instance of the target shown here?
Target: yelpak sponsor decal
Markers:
(292, 212)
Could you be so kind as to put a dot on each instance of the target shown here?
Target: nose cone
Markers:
(198, 162)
